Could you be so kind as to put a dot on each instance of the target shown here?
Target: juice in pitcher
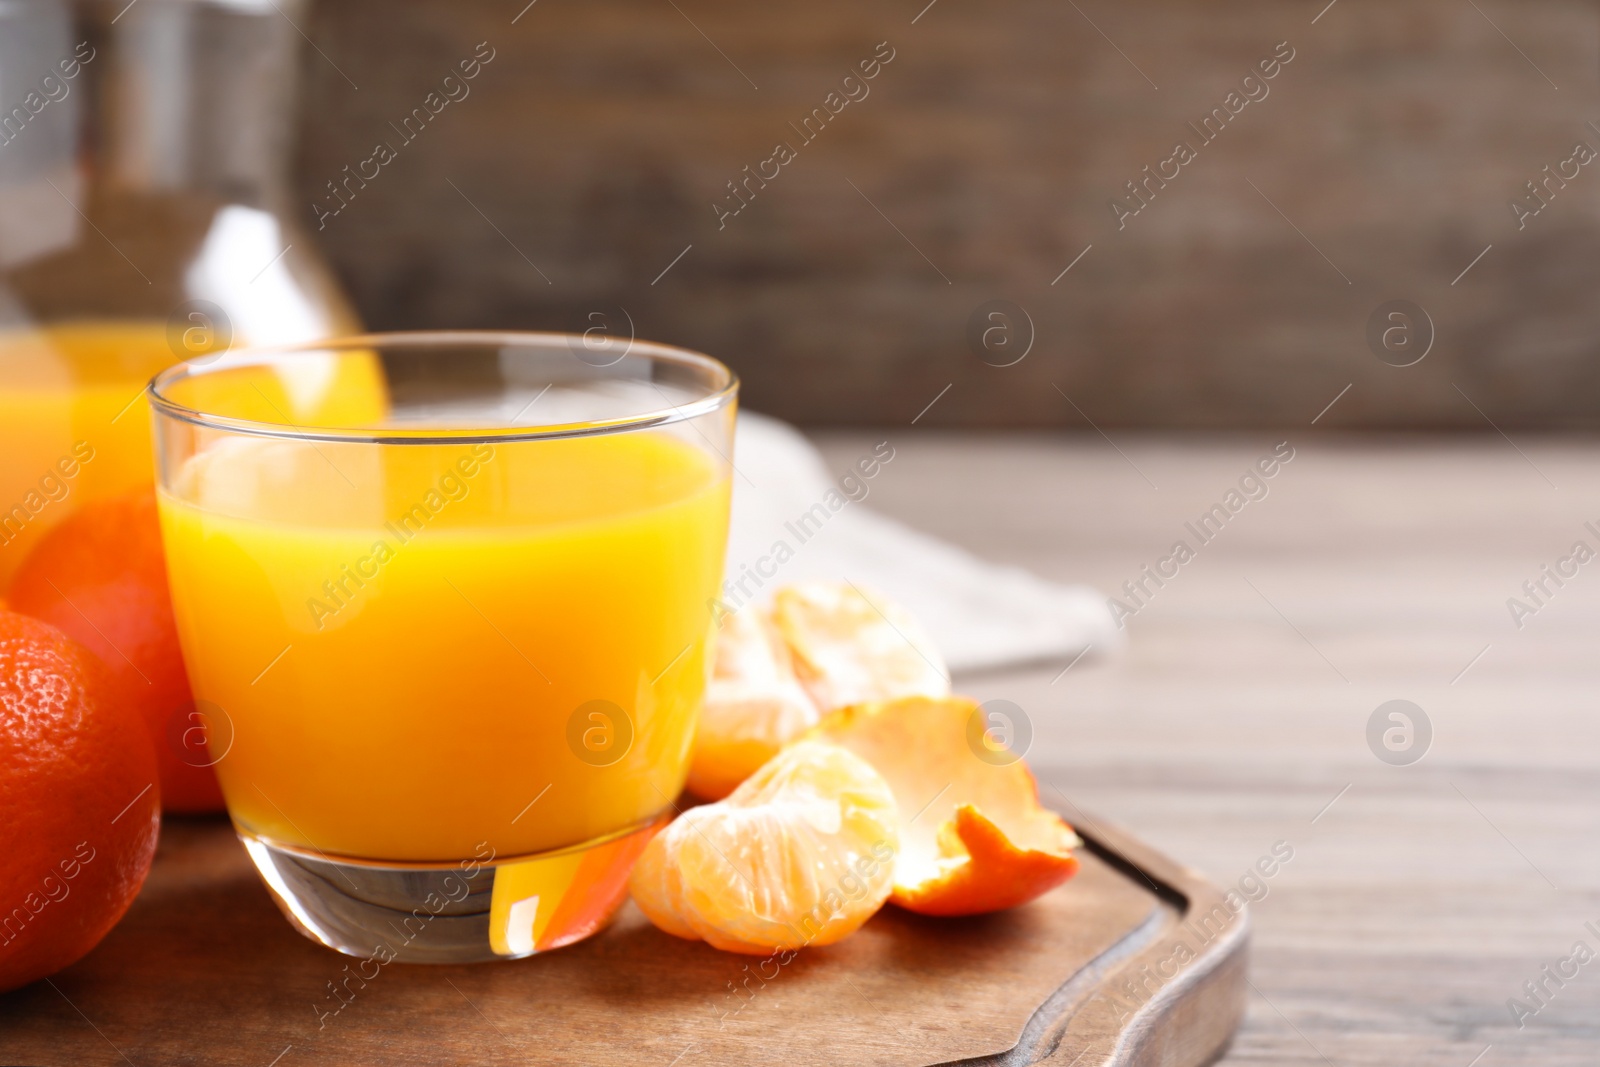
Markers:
(74, 426)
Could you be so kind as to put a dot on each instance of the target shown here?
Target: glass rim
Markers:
(723, 391)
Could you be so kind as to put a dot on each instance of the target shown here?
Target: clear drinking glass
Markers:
(449, 660)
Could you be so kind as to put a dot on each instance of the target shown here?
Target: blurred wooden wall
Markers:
(592, 147)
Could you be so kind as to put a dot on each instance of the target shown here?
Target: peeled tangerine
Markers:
(800, 854)
(753, 705)
(822, 646)
(849, 648)
(973, 837)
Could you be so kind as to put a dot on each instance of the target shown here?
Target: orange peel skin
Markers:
(994, 875)
(973, 836)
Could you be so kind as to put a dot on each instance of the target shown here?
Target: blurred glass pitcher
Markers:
(144, 153)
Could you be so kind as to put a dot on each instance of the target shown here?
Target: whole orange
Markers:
(101, 578)
(79, 801)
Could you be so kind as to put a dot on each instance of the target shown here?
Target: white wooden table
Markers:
(1424, 896)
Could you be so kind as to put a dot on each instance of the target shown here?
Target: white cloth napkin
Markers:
(982, 615)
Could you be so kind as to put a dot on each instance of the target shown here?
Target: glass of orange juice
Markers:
(450, 661)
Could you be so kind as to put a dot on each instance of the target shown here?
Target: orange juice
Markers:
(75, 424)
(415, 647)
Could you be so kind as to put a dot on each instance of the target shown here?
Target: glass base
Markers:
(483, 908)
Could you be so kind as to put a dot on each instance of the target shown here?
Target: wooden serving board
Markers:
(1136, 961)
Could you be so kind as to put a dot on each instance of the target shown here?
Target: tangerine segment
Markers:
(753, 705)
(802, 853)
(850, 648)
(973, 836)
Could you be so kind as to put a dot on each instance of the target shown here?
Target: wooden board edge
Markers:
(1176, 1001)
(1146, 1002)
